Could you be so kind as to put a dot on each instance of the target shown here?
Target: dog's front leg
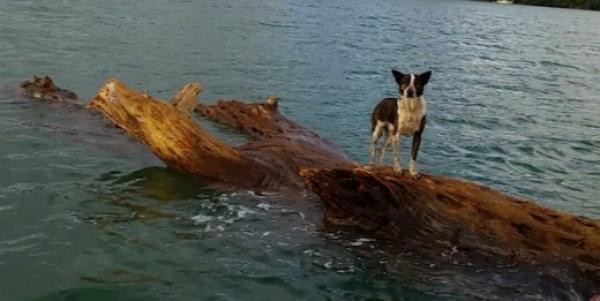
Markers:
(412, 166)
(396, 147)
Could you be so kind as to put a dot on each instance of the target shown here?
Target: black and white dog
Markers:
(402, 116)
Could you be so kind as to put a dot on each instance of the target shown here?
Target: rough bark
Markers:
(174, 137)
(276, 140)
(448, 211)
(271, 161)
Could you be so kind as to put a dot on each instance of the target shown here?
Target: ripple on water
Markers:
(552, 64)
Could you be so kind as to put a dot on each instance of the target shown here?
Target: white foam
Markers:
(7, 207)
(359, 242)
(312, 253)
(243, 212)
(201, 218)
(264, 206)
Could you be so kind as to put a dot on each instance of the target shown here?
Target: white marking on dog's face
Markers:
(410, 90)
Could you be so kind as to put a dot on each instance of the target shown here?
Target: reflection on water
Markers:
(86, 213)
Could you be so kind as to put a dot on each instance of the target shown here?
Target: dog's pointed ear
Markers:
(397, 75)
(425, 77)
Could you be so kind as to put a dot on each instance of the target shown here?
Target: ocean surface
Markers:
(86, 214)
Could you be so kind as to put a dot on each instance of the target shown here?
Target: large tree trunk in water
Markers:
(271, 161)
(431, 209)
(446, 211)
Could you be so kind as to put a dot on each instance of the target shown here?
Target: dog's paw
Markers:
(412, 170)
(398, 171)
(415, 175)
(365, 168)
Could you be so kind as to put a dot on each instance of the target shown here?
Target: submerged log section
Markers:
(282, 155)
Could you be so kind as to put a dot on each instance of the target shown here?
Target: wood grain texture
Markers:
(455, 212)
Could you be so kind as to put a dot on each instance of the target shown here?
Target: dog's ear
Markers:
(397, 75)
(425, 77)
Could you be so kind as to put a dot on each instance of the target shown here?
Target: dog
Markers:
(405, 115)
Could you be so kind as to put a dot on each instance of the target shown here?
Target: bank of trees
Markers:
(582, 4)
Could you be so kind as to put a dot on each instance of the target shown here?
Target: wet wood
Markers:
(275, 139)
(43, 88)
(450, 212)
(174, 137)
(271, 161)
(186, 99)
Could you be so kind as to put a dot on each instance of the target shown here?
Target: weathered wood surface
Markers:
(271, 161)
(451, 212)
(274, 139)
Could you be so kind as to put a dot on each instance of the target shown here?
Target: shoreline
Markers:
(589, 5)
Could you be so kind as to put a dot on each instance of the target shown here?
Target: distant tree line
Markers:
(582, 4)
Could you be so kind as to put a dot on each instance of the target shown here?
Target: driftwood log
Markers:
(282, 155)
(271, 160)
(43, 88)
(450, 212)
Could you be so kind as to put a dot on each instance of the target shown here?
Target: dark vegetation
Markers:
(580, 4)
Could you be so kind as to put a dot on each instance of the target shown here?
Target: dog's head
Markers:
(411, 85)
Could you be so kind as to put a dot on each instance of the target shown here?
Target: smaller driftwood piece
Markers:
(43, 88)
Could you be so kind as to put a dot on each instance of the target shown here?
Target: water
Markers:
(87, 214)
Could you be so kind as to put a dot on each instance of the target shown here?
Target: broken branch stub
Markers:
(186, 99)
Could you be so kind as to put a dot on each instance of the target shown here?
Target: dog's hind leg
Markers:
(384, 147)
(377, 131)
(396, 147)
(389, 133)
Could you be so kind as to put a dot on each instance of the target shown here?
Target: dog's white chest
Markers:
(410, 114)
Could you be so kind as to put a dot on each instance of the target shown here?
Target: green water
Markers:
(88, 214)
